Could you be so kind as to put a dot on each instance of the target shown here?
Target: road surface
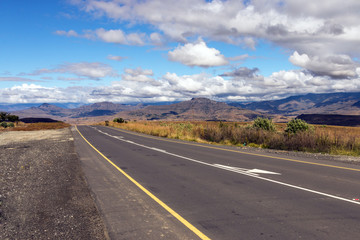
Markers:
(215, 192)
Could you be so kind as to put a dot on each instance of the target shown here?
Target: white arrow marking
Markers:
(263, 171)
(250, 172)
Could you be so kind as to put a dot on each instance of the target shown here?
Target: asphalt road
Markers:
(223, 192)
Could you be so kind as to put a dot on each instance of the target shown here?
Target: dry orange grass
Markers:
(38, 126)
(325, 139)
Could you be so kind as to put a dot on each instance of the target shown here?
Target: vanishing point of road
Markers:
(154, 188)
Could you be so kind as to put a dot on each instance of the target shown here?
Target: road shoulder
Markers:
(43, 192)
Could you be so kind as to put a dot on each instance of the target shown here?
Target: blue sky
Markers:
(151, 50)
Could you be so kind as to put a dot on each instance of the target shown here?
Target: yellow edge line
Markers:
(161, 203)
(229, 150)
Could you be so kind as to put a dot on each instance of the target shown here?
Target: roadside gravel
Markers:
(43, 192)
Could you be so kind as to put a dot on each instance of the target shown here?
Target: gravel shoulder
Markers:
(43, 191)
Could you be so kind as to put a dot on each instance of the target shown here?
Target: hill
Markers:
(327, 103)
(331, 119)
(194, 109)
(94, 110)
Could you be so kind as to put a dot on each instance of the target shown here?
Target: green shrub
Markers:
(297, 125)
(119, 120)
(264, 124)
(4, 124)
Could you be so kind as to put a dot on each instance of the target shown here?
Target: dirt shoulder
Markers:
(43, 192)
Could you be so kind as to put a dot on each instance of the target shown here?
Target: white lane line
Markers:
(159, 150)
(240, 171)
(255, 170)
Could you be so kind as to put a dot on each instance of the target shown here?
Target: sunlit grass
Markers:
(321, 139)
(39, 126)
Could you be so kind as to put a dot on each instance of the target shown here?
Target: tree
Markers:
(3, 116)
(12, 118)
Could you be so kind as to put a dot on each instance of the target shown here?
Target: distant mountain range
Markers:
(327, 103)
(21, 106)
(94, 110)
(194, 109)
(202, 109)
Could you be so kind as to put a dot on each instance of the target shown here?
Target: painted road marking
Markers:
(263, 171)
(254, 171)
(231, 150)
(161, 203)
(250, 174)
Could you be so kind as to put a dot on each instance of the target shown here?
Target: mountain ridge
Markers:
(194, 109)
(205, 109)
(323, 103)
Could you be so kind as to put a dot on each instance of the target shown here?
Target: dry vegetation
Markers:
(36, 126)
(323, 139)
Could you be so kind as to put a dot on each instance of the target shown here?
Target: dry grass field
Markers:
(36, 126)
(320, 139)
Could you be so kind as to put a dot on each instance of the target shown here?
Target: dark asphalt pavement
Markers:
(230, 194)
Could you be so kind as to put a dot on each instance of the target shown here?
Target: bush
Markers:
(297, 125)
(3, 124)
(12, 118)
(4, 116)
(119, 120)
(264, 124)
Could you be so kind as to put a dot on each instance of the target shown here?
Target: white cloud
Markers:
(197, 54)
(116, 58)
(92, 70)
(336, 66)
(138, 75)
(117, 36)
(307, 26)
(70, 33)
(156, 39)
(17, 79)
(112, 36)
(139, 85)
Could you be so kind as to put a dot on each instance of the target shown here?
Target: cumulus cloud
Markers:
(297, 25)
(138, 85)
(17, 79)
(70, 33)
(138, 75)
(156, 39)
(116, 58)
(335, 66)
(242, 72)
(117, 36)
(197, 54)
(91, 70)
